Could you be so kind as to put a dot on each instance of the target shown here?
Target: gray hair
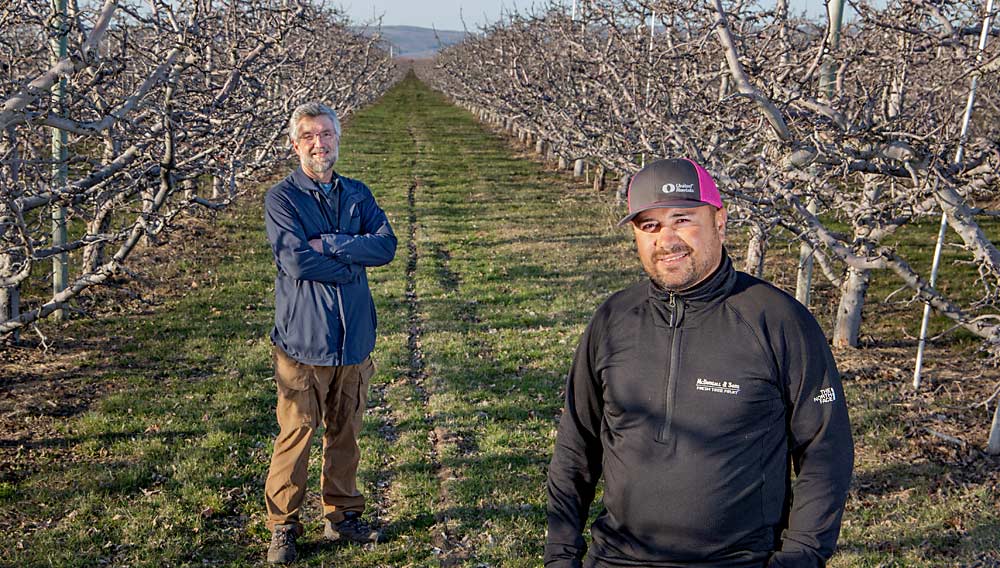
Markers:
(312, 109)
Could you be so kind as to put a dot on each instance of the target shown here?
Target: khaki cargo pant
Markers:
(307, 396)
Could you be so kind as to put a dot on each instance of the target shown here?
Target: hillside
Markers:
(416, 42)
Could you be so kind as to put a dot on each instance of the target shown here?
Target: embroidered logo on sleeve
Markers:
(826, 395)
(724, 387)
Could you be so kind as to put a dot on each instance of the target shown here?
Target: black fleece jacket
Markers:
(692, 405)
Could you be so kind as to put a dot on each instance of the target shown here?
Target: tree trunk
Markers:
(217, 185)
(724, 83)
(993, 446)
(803, 280)
(93, 255)
(10, 307)
(599, 178)
(623, 188)
(756, 250)
(847, 329)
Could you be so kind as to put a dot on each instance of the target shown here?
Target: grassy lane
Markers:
(502, 248)
(500, 264)
(496, 251)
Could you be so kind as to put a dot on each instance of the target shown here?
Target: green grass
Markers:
(479, 314)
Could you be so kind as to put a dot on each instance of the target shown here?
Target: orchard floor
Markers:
(138, 434)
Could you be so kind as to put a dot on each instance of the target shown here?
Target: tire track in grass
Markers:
(416, 372)
(405, 482)
(470, 287)
(449, 549)
(481, 215)
(398, 429)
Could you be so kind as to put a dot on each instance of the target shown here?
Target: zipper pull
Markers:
(673, 309)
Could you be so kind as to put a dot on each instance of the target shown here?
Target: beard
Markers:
(677, 278)
(322, 164)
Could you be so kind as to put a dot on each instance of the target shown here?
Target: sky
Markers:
(448, 14)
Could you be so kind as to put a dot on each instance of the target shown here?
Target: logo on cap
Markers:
(677, 188)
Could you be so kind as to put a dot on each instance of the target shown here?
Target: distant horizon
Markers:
(447, 15)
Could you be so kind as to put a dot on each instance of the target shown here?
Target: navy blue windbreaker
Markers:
(323, 312)
(692, 406)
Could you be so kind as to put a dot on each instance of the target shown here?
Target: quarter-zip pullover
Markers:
(691, 405)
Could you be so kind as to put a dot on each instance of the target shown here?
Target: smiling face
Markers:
(317, 146)
(680, 247)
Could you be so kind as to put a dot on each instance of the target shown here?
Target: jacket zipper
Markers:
(335, 223)
(343, 324)
(676, 311)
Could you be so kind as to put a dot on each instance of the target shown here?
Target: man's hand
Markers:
(317, 245)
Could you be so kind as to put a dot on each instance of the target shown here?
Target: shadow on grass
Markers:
(895, 477)
(448, 279)
(472, 519)
(104, 439)
(933, 546)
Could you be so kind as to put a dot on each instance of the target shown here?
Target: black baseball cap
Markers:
(676, 182)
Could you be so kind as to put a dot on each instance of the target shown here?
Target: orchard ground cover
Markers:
(142, 437)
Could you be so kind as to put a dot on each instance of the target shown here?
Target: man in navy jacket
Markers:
(694, 393)
(325, 230)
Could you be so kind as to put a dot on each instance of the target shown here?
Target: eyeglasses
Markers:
(324, 135)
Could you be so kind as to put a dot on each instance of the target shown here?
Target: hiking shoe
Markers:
(352, 528)
(282, 549)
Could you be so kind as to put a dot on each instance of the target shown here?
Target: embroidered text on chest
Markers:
(723, 387)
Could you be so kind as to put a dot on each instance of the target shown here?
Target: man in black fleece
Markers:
(695, 393)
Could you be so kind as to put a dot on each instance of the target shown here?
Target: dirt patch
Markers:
(58, 370)
(945, 422)
(39, 390)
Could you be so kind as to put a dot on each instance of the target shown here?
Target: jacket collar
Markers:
(304, 182)
(714, 288)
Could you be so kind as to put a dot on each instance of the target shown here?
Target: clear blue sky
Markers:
(448, 14)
